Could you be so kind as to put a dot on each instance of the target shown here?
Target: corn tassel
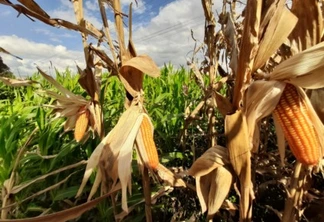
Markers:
(149, 144)
(81, 124)
(294, 119)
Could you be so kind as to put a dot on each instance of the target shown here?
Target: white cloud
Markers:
(38, 54)
(54, 36)
(167, 37)
(92, 5)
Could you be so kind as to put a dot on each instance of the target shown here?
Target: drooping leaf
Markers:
(17, 82)
(5, 51)
(202, 189)
(304, 69)
(214, 157)
(237, 135)
(221, 182)
(281, 23)
(125, 158)
(260, 100)
(132, 72)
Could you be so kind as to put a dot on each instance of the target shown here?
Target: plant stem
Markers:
(147, 194)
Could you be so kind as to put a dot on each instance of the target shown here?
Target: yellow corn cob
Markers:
(294, 118)
(149, 144)
(81, 123)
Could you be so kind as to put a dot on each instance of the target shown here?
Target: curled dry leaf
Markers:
(214, 157)
(143, 63)
(221, 182)
(131, 73)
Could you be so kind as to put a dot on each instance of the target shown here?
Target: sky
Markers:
(161, 29)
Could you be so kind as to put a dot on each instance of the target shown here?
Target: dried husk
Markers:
(260, 100)
(304, 69)
(237, 135)
(221, 182)
(214, 157)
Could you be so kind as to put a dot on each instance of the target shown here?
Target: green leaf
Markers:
(66, 193)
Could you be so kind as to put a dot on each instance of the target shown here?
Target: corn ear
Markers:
(150, 157)
(81, 124)
(294, 118)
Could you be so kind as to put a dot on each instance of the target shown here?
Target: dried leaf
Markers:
(5, 51)
(236, 131)
(92, 163)
(202, 188)
(230, 34)
(260, 100)
(33, 6)
(132, 73)
(17, 82)
(248, 49)
(167, 176)
(221, 182)
(52, 22)
(88, 81)
(143, 63)
(223, 104)
(314, 120)
(280, 25)
(63, 90)
(214, 157)
(304, 69)
(125, 159)
(309, 29)
(198, 75)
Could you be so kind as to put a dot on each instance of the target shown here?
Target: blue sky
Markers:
(161, 29)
